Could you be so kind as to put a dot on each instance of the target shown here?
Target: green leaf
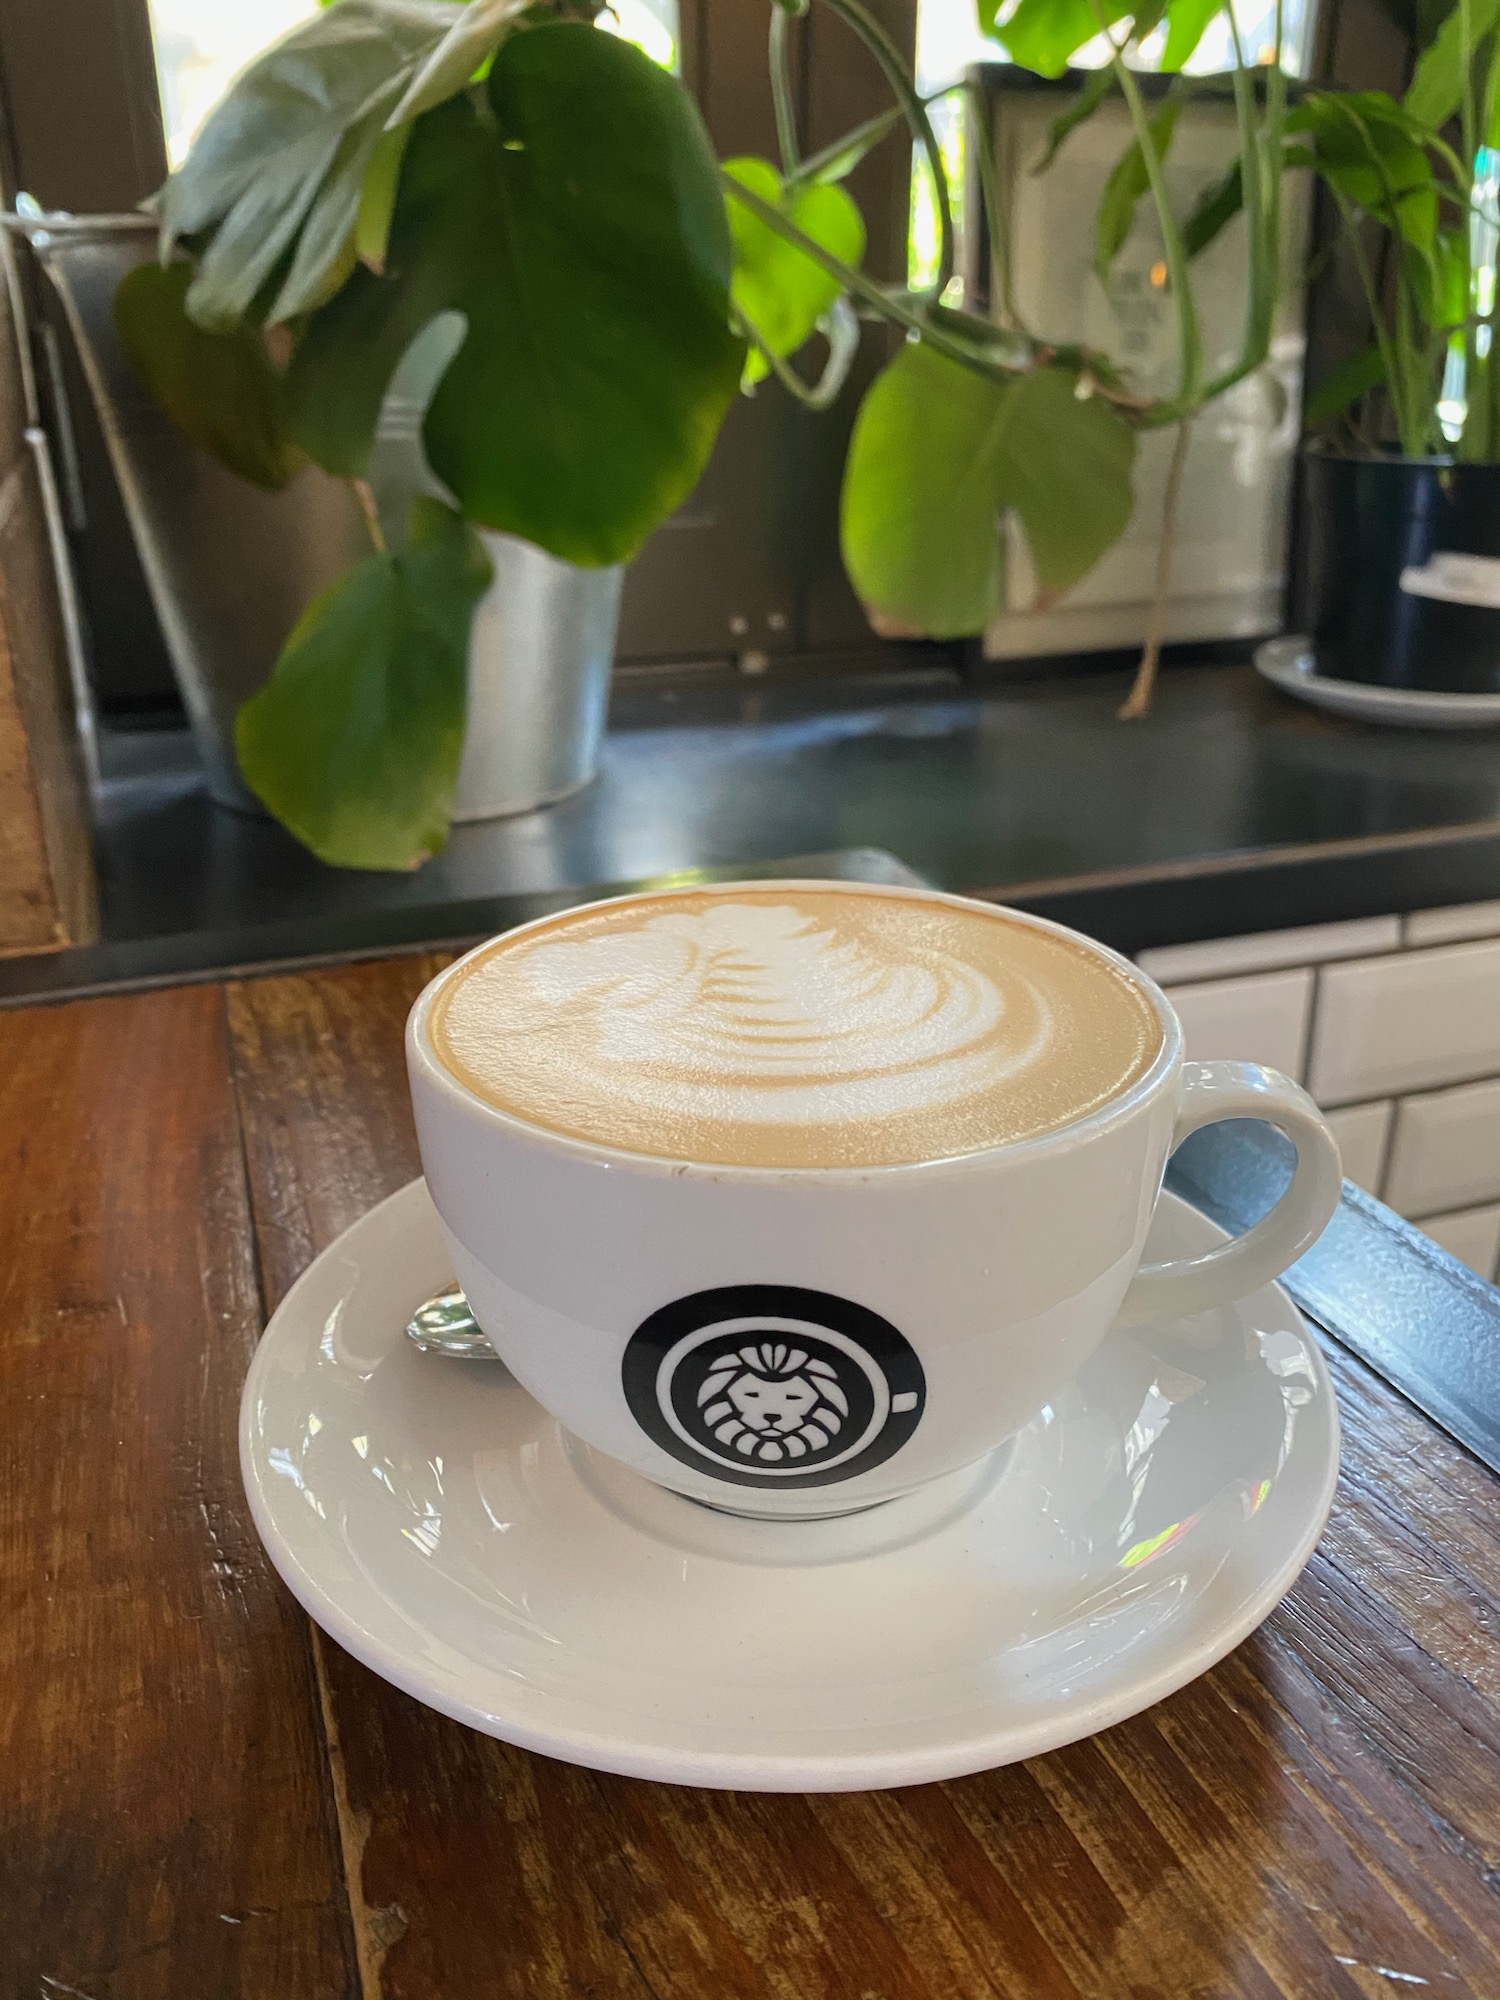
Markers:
(325, 252)
(1125, 186)
(355, 741)
(939, 451)
(838, 161)
(1222, 202)
(258, 168)
(1098, 86)
(777, 287)
(579, 227)
(1043, 34)
(1345, 385)
(1368, 148)
(920, 511)
(463, 51)
(377, 197)
(218, 387)
(1437, 89)
(1217, 208)
(1187, 23)
(1066, 463)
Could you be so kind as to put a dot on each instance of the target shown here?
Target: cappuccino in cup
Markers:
(795, 1196)
(774, 1027)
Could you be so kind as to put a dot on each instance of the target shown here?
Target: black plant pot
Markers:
(1377, 532)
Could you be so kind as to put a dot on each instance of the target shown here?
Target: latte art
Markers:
(767, 1016)
(805, 1026)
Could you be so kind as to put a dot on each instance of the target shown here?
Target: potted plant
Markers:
(1403, 482)
(552, 192)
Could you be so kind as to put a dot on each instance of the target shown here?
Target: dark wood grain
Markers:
(1318, 1817)
(166, 1826)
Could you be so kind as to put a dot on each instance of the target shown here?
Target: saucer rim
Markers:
(1289, 664)
(813, 1772)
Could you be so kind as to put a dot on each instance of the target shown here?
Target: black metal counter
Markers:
(1232, 809)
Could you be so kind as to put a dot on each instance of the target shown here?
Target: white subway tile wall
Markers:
(1472, 1236)
(1394, 1025)
(1446, 1152)
(1268, 951)
(1407, 1022)
(1261, 1020)
(1363, 1131)
(1463, 920)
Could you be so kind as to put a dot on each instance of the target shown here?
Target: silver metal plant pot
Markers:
(540, 656)
(230, 568)
(543, 641)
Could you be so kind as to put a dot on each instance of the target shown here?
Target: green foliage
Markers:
(1370, 151)
(468, 45)
(1444, 70)
(778, 290)
(276, 172)
(577, 224)
(1345, 384)
(1043, 34)
(552, 192)
(939, 453)
(1391, 166)
(377, 197)
(355, 741)
(1097, 86)
(218, 387)
(838, 161)
(1127, 183)
(1187, 23)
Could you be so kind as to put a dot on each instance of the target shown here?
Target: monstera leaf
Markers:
(780, 291)
(218, 387)
(577, 224)
(355, 741)
(939, 453)
(276, 173)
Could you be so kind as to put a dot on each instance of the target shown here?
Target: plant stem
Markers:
(1190, 344)
(1138, 703)
(843, 345)
(888, 305)
(1388, 355)
(891, 61)
(996, 216)
(781, 91)
(364, 492)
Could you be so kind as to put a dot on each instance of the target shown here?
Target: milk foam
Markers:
(794, 1027)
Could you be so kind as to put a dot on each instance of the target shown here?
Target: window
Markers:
(949, 41)
(201, 45)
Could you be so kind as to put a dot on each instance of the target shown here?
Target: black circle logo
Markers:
(773, 1385)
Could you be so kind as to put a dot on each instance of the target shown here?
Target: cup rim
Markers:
(1076, 1132)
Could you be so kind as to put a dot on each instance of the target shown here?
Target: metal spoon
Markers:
(445, 1325)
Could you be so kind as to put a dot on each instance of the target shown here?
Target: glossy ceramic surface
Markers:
(444, 1530)
(1289, 665)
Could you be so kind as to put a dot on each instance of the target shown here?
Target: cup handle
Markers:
(1209, 1092)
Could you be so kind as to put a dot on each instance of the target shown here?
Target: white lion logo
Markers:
(772, 1401)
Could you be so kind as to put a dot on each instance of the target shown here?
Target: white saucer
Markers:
(1289, 665)
(442, 1527)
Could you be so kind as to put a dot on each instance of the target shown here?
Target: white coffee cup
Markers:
(941, 1304)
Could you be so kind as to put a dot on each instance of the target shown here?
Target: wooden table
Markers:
(201, 1796)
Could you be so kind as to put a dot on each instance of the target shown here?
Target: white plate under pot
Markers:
(439, 1524)
(1290, 665)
